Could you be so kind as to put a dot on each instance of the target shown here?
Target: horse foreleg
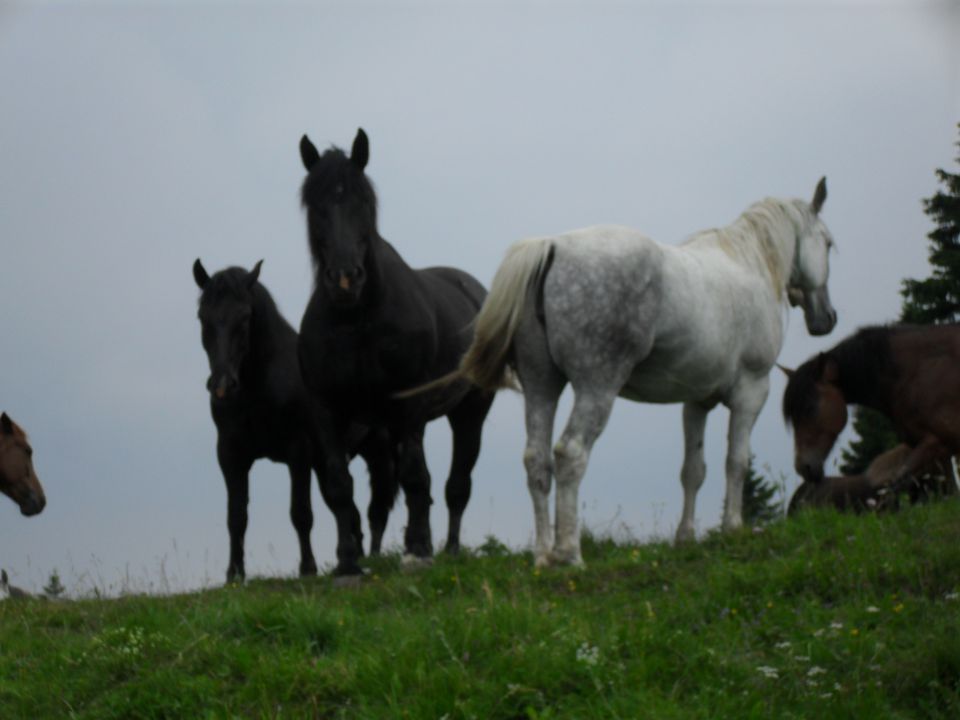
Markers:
(921, 456)
(694, 468)
(237, 478)
(591, 410)
(466, 425)
(336, 488)
(744, 408)
(301, 514)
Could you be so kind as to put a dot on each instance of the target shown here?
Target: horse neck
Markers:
(764, 239)
(270, 334)
(861, 376)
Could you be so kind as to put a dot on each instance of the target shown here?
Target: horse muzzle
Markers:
(33, 504)
(345, 285)
(224, 386)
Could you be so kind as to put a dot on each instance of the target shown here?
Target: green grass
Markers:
(823, 616)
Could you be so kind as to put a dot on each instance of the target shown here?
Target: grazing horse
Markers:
(910, 373)
(18, 479)
(262, 410)
(614, 313)
(375, 326)
(876, 488)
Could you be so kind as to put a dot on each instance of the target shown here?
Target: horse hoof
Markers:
(347, 581)
(347, 570)
(541, 560)
(685, 535)
(570, 558)
(411, 563)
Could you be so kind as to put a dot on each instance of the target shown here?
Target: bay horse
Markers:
(18, 479)
(262, 410)
(374, 326)
(616, 314)
(877, 487)
(910, 373)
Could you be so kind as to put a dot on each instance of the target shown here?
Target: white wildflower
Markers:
(815, 670)
(873, 609)
(768, 672)
(782, 645)
(836, 625)
(952, 596)
(588, 654)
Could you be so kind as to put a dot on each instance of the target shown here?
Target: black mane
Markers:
(862, 359)
(234, 282)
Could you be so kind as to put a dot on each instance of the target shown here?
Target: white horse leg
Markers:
(591, 410)
(540, 408)
(747, 402)
(542, 384)
(694, 468)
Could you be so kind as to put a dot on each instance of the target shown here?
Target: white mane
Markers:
(763, 238)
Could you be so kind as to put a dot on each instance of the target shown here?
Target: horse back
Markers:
(925, 395)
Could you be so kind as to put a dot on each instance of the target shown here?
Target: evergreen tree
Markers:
(54, 588)
(875, 435)
(760, 502)
(935, 299)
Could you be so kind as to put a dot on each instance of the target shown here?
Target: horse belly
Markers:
(672, 376)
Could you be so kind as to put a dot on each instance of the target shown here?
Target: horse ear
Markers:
(308, 153)
(6, 424)
(786, 371)
(360, 153)
(200, 275)
(254, 274)
(819, 195)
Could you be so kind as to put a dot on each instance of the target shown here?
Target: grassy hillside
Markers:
(825, 616)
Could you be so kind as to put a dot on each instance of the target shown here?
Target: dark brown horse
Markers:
(875, 488)
(910, 373)
(18, 479)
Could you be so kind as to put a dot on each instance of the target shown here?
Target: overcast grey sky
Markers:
(138, 137)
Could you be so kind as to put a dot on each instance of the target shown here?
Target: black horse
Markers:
(374, 327)
(262, 410)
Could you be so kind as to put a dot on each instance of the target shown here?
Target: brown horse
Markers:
(874, 489)
(18, 480)
(910, 373)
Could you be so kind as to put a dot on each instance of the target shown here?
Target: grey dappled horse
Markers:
(614, 313)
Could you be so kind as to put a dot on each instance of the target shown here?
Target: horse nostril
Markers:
(332, 275)
(358, 272)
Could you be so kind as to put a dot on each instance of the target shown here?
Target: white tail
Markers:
(485, 362)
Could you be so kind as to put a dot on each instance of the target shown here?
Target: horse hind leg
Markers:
(542, 382)
(415, 480)
(301, 515)
(466, 424)
(694, 468)
(377, 452)
(591, 410)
